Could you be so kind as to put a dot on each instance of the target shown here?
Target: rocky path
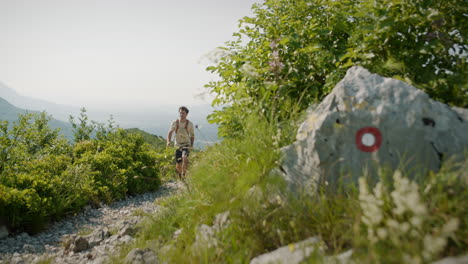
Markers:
(89, 237)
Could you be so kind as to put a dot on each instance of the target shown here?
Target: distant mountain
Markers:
(10, 113)
(154, 119)
(57, 111)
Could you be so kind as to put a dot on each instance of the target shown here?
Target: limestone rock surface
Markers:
(368, 122)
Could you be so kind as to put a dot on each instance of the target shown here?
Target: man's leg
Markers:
(185, 161)
(179, 160)
(184, 165)
(179, 168)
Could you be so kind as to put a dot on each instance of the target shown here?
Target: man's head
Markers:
(183, 111)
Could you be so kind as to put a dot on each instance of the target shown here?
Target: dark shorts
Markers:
(181, 152)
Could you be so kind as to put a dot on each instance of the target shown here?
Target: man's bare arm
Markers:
(169, 138)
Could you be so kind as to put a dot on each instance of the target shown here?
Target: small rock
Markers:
(205, 237)
(29, 248)
(141, 256)
(255, 193)
(342, 258)
(18, 260)
(113, 239)
(126, 239)
(128, 230)
(97, 237)
(51, 249)
(290, 254)
(177, 233)
(221, 221)
(101, 260)
(453, 260)
(79, 244)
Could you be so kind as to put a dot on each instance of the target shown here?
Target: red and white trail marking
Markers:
(368, 139)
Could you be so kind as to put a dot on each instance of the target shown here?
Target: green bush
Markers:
(123, 164)
(46, 190)
(43, 177)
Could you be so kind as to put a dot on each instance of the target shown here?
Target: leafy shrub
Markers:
(157, 142)
(292, 53)
(43, 177)
(45, 189)
(122, 163)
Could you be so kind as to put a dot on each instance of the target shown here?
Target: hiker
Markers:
(184, 138)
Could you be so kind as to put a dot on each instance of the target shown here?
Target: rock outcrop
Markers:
(369, 122)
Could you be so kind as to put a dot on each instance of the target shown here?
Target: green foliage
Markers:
(43, 177)
(157, 142)
(84, 129)
(35, 175)
(29, 137)
(292, 53)
(420, 42)
(122, 164)
(165, 161)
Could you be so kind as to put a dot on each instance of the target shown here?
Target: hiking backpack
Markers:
(186, 125)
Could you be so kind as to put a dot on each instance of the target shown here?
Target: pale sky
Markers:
(114, 53)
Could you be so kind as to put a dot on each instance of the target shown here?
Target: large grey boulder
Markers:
(368, 122)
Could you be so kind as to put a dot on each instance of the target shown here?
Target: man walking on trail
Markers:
(184, 138)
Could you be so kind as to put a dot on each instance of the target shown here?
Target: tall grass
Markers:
(236, 176)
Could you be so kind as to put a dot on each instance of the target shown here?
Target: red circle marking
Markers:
(368, 130)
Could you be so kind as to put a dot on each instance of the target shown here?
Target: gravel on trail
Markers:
(107, 228)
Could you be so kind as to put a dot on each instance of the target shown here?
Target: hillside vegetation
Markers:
(289, 55)
(10, 113)
(157, 142)
(43, 177)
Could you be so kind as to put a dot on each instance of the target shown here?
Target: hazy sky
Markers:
(114, 52)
